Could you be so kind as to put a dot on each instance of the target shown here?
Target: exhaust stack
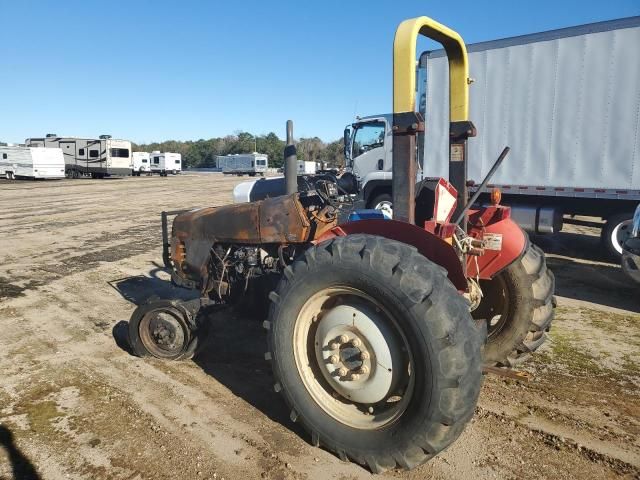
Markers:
(290, 162)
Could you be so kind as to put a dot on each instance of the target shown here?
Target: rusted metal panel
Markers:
(283, 220)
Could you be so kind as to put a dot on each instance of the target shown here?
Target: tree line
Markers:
(202, 153)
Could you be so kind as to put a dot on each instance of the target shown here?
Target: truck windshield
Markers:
(367, 137)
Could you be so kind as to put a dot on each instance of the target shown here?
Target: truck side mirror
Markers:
(347, 146)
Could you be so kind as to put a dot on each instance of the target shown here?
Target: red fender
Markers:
(428, 244)
(495, 221)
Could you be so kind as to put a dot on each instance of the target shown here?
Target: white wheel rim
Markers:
(386, 207)
(620, 234)
(371, 392)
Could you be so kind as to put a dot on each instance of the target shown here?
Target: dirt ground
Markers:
(78, 255)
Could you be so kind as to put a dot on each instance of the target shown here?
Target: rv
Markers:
(165, 163)
(31, 162)
(97, 157)
(251, 164)
(140, 163)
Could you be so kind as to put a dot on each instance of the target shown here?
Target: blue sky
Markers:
(156, 70)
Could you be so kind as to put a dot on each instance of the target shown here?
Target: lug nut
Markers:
(334, 359)
(365, 356)
(356, 342)
(343, 339)
(355, 376)
(343, 372)
(363, 370)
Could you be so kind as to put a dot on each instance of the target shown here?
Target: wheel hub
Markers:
(357, 353)
(165, 331)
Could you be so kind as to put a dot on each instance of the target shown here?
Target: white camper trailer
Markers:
(165, 163)
(140, 163)
(251, 164)
(31, 162)
(306, 168)
(97, 157)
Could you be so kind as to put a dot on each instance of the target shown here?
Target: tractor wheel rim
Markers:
(386, 207)
(496, 295)
(352, 358)
(620, 234)
(163, 333)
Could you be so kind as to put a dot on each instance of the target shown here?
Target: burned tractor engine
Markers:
(220, 250)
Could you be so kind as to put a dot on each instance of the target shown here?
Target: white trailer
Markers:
(251, 164)
(97, 157)
(566, 101)
(164, 163)
(140, 163)
(31, 162)
(306, 168)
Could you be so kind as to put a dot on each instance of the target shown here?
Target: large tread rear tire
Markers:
(527, 285)
(443, 339)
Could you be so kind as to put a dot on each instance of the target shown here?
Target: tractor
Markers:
(378, 330)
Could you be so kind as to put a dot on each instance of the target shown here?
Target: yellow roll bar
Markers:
(404, 66)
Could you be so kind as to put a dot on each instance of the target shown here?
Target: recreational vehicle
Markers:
(97, 157)
(165, 163)
(251, 164)
(31, 162)
(140, 163)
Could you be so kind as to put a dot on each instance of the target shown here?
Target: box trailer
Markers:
(251, 164)
(164, 163)
(140, 163)
(31, 162)
(566, 101)
(97, 157)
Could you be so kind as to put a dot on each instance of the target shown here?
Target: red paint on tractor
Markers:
(429, 245)
(494, 220)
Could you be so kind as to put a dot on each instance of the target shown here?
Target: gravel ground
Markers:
(78, 255)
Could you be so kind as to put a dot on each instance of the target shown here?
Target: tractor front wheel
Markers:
(374, 351)
(162, 329)
(517, 305)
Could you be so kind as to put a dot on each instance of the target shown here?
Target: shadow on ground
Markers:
(21, 466)
(233, 353)
(584, 272)
(231, 350)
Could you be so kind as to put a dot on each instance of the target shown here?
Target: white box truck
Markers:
(251, 164)
(566, 101)
(97, 157)
(140, 163)
(164, 163)
(31, 162)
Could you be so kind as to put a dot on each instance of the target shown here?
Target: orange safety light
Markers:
(496, 196)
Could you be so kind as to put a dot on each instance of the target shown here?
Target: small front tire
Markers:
(162, 329)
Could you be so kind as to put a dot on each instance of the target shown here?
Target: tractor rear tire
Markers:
(387, 296)
(517, 306)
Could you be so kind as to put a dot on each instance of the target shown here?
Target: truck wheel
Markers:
(517, 306)
(615, 233)
(162, 329)
(384, 203)
(374, 351)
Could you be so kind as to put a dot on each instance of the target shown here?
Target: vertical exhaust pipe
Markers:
(290, 162)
